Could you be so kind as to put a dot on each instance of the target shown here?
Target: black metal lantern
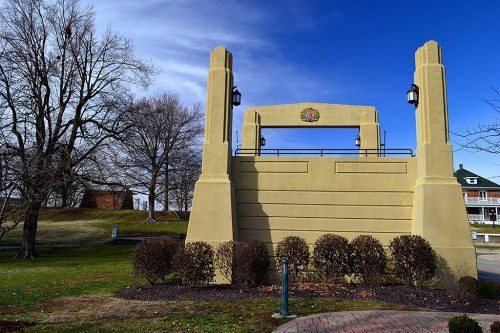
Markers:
(412, 94)
(262, 141)
(357, 141)
(236, 97)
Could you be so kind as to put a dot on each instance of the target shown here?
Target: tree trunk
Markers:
(64, 199)
(151, 204)
(29, 232)
(165, 205)
(151, 209)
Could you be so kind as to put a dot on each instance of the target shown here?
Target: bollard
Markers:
(114, 231)
(284, 288)
(284, 313)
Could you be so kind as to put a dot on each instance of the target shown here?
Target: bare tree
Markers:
(12, 210)
(484, 137)
(159, 126)
(185, 172)
(60, 93)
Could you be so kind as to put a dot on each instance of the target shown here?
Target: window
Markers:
(471, 180)
(482, 195)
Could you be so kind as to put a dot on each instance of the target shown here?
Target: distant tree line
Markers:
(68, 119)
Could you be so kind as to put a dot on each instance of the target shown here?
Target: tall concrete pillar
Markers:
(439, 213)
(213, 217)
(369, 132)
(250, 138)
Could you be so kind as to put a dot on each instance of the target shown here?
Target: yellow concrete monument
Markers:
(272, 197)
(439, 213)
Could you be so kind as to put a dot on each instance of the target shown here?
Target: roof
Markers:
(10, 201)
(462, 174)
(106, 192)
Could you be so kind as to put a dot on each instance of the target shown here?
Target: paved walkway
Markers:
(379, 321)
(488, 265)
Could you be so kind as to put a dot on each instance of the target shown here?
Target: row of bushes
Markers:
(465, 324)
(334, 257)
(242, 263)
(484, 289)
(155, 258)
(246, 263)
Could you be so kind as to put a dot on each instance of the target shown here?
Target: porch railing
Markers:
(478, 200)
(475, 217)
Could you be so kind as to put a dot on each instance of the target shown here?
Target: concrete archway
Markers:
(327, 115)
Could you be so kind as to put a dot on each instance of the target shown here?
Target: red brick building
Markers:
(107, 199)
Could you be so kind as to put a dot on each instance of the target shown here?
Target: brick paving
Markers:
(379, 321)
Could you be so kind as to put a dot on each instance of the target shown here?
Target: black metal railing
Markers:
(324, 152)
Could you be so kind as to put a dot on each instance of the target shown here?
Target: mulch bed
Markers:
(432, 299)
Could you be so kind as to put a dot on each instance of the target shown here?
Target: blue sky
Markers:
(340, 52)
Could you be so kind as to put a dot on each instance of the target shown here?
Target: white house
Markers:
(481, 196)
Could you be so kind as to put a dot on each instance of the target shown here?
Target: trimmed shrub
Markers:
(224, 259)
(488, 289)
(296, 250)
(414, 259)
(243, 263)
(463, 324)
(195, 263)
(332, 257)
(457, 281)
(369, 259)
(468, 284)
(241, 269)
(484, 289)
(495, 327)
(153, 258)
(259, 260)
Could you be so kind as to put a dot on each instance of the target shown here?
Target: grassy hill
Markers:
(87, 226)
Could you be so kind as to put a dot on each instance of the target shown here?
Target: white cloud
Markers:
(179, 36)
(182, 68)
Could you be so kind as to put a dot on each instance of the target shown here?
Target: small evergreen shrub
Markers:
(243, 263)
(332, 257)
(414, 259)
(296, 250)
(463, 324)
(495, 327)
(259, 260)
(195, 263)
(469, 284)
(241, 267)
(153, 258)
(484, 289)
(457, 281)
(224, 259)
(369, 259)
(488, 289)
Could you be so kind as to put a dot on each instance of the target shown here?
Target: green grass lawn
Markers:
(69, 271)
(76, 226)
(70, 290)
(486, 229)
(70, 287)
(485, 246)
